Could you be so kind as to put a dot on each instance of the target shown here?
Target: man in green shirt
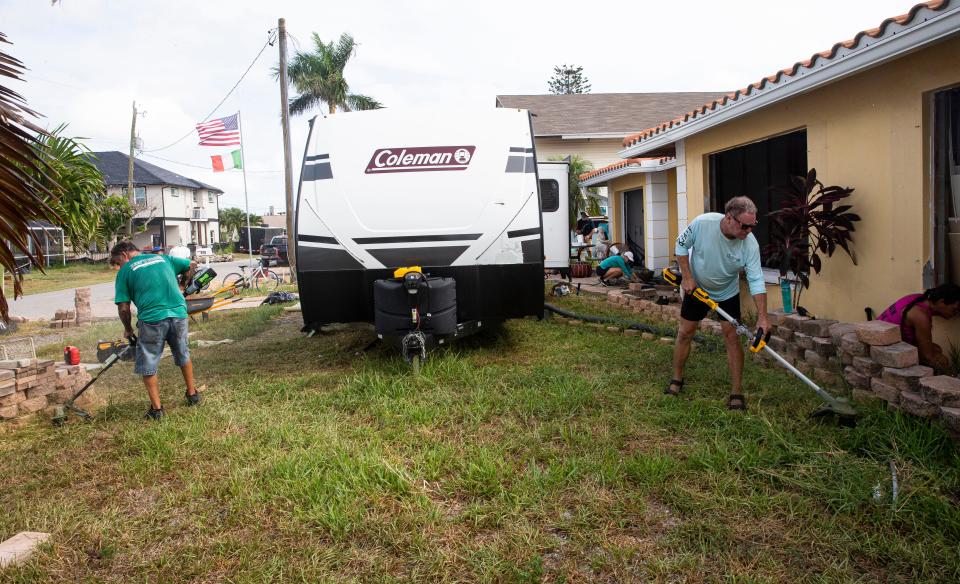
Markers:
(150, 282)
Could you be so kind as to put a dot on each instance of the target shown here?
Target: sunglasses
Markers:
(745, 226)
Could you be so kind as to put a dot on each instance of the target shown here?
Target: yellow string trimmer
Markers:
(837, 406)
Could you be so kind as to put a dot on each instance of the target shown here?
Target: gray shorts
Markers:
(150, 344)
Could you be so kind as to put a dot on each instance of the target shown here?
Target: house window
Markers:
(174, 192)
(755, 170)
(549, 195)
(139, 195)
(946, 188)
(209, 196)
(196, 198)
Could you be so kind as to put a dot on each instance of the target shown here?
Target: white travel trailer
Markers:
(555, 208)
(454, 194)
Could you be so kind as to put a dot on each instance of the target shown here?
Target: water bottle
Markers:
(786, 296)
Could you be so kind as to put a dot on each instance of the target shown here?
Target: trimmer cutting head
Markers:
(840, 409)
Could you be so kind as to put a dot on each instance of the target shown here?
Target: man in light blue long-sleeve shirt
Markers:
(712, 251)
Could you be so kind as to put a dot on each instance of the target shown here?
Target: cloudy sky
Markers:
(90, 59)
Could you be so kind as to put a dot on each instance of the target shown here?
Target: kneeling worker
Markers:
(150, 282)
(914, 315)
(615, 267)
(711, 252)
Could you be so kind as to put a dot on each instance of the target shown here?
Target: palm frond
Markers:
(22, 196)
(362, 102)
(343, 52)
(318, 78)
(303, 103)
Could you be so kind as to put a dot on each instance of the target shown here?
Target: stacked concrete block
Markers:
(944, 391)
(930, 396)
(81, 301)
(63, 319)
(837, 330)
(856, 378)
(817, 327)
(792, 322)
(878, 333)
(28, 386)
(803, 340)
(893, 367)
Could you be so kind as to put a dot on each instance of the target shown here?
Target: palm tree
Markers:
(22, 197)
(318, 78)
(75, 183)
(231, 219)
(578, 202)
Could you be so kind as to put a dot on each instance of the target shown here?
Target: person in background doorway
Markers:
(603, 228)
(601, 240)
(585, 226)
(618, 266)
(914, 315)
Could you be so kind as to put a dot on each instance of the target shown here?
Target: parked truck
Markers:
(258, 236)
(275, 252)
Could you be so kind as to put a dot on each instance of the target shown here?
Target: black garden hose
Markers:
(626, 324)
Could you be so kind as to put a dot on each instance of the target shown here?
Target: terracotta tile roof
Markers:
(625, 163)
(732, 98)
(617, 114)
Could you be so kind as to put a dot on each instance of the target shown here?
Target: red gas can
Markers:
(71, 355)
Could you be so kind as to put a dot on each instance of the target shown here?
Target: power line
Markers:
(270, 39)
(203, 167)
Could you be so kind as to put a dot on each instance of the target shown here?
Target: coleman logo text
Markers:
(420, 159)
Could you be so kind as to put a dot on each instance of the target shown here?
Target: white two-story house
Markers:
(176, 210)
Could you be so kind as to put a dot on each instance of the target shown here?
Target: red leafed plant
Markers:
(810, 222)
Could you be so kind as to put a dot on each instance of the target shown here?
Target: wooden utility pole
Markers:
(287, 155)
(133, 145)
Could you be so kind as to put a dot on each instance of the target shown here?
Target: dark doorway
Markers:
(755, 170)
(946, 189)
(633, 222)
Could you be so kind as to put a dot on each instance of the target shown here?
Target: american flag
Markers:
(220, 132)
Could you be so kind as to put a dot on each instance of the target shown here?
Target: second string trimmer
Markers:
(62, 412)
(837, 406)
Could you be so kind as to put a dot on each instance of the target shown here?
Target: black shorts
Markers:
(601, 271)
(693, 309)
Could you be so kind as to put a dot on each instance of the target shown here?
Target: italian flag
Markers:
(223, 162)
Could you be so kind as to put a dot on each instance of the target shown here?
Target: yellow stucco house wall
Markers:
(866, 107)
(872, 132)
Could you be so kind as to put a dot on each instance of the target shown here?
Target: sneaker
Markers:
(604, 283)
(193, 400)
(153, 414)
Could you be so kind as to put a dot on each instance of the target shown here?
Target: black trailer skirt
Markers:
(486, 293)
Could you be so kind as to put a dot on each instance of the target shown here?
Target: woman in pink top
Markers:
(914, 315)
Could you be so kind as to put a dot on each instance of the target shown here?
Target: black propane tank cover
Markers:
(436, 297)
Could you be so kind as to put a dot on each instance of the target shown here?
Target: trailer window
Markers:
(549, 195)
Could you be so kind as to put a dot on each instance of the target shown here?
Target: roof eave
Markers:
(594, 136)
(626, 170)
(870, 53)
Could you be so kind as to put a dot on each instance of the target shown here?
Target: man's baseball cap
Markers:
(628, 255)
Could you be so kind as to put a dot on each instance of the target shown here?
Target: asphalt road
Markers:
(43, 306)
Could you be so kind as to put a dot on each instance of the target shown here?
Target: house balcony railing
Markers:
(199, 215)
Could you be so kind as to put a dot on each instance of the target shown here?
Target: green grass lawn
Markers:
(63, 278)
(541, 451)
